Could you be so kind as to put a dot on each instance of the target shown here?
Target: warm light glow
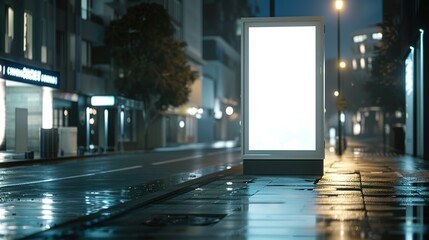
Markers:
(343, 64)
(192, 111)
(377, 36)
(229, 110)
(362, 63)
(356, 129)
(339, 4)
(354, 64)
(398, 114)
(358, 116)
(362, 49)
(336, 94)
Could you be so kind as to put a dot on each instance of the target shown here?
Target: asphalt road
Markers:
(37, 197)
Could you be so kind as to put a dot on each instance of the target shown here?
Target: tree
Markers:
(152, 65)
(387, 88)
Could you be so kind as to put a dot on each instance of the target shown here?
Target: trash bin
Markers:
(49, 142)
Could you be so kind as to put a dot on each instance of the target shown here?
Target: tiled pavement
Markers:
(362, 195)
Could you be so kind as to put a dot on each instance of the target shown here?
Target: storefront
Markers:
(26, 104)
(112, 124)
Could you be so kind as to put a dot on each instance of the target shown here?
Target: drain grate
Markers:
(183, 220)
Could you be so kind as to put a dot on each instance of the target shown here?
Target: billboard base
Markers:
(298, 167)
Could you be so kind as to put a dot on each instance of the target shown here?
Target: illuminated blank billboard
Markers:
(283, 88)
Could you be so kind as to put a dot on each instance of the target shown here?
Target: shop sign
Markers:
(27, 74)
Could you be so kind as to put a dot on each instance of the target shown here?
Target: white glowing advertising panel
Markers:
(283, 88)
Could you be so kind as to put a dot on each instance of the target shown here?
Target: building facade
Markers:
(26, 58)
(69, 45)
(409, 17)
(221, 79)
(366, 116)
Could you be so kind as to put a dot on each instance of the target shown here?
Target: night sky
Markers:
(356, 15)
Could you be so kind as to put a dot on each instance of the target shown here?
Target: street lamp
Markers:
(339, 5)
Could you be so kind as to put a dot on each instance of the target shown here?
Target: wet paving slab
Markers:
(360, 196)
(28, 209)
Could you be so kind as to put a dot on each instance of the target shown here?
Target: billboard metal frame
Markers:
(284, 161)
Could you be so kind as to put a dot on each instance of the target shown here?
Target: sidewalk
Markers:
(11, 159)
(362, 195)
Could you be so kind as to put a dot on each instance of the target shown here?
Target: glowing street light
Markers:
(339, 4)
(336, 93)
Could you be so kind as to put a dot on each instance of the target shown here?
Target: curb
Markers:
(26, 162)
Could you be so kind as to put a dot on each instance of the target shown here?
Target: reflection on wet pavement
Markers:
(362, 195)
(42, 207)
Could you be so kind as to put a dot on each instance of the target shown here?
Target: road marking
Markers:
(186, 158)
(176, 160)
(72, 177)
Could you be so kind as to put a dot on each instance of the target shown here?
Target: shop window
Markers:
(28, 35)
(9, 29)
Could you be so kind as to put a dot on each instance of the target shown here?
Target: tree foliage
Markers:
(387, 88)
(152, 65)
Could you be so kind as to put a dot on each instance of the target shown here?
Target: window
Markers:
(354, 64)
(377, 36)
(359, 38)
(44, 33)
(28, 35)
(362, 63)
(362, 49)
(86, 9)
(43, 48)
(9, 30)
(369, 63)
(86, 53)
